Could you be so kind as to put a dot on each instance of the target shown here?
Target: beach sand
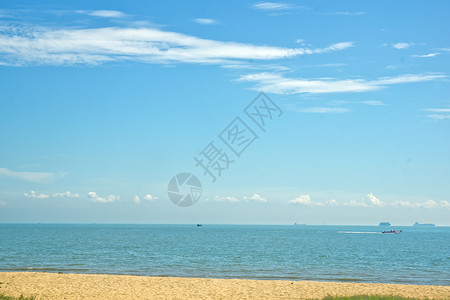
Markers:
(85, 286)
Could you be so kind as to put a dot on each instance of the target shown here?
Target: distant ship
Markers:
(384, 224)
(424, 225)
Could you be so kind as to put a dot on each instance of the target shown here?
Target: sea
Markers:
(418, 255)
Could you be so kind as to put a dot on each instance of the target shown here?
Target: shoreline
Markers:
(102, 286)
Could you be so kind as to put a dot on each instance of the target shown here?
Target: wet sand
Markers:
(85, 286)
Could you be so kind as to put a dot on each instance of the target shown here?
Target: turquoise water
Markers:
(326, 253)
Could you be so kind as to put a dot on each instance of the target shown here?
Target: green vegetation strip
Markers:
(4, 297)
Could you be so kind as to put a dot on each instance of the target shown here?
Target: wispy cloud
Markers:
(438, 117)
(277, 84)
(324, 110)
(370, 200)
(438, 110)
(426, 55)
(204, 21)
(67, 194)
(225, 199)
(234, 199)
(39, 177)
(272, 6)
(438, 113)
(41, 45)
(426, 204)
(350, 13)
(33, 194)
(401, 46)
(373, 103)
(103, 13)
(95, 198)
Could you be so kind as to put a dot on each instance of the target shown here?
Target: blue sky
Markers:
(103, 102)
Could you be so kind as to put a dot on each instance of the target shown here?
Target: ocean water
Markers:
(324, 253)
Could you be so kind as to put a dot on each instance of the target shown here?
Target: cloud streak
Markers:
(277, 84)
(22, 45)
(324, 110)
(426, 55)
(38, 177)
(204, 21)
(438, 113)
(272, 6)
(103, 13)
(401, 46)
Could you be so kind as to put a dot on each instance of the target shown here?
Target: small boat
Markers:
(199, 225)
(384, 224)
(391, 231)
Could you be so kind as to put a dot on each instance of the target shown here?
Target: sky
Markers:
(315, 112)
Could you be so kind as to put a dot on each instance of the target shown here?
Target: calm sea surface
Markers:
(326, 253)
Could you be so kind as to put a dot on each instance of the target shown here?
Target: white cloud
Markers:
(401, 45)
(33, 194)
(349, 13)
(439, 114)
(439, 117)
(427, 204)
(225, 199)
(2, 203)
(374, 201)
(103, 13)
(39, 177)
(46, 46)
(331, 202)
(438, 110)
(95, 198)
(272, 6)
(368, 201)
(426, 55)
(277, 84)
(205, 21)
(356, 203)
(149, 197)
(324, 110)
(302, 199)
(67, 194)
(373, 103)
(256, 197)
(306, 200)
(445, 203)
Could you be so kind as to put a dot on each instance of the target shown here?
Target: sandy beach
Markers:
(86, 286)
